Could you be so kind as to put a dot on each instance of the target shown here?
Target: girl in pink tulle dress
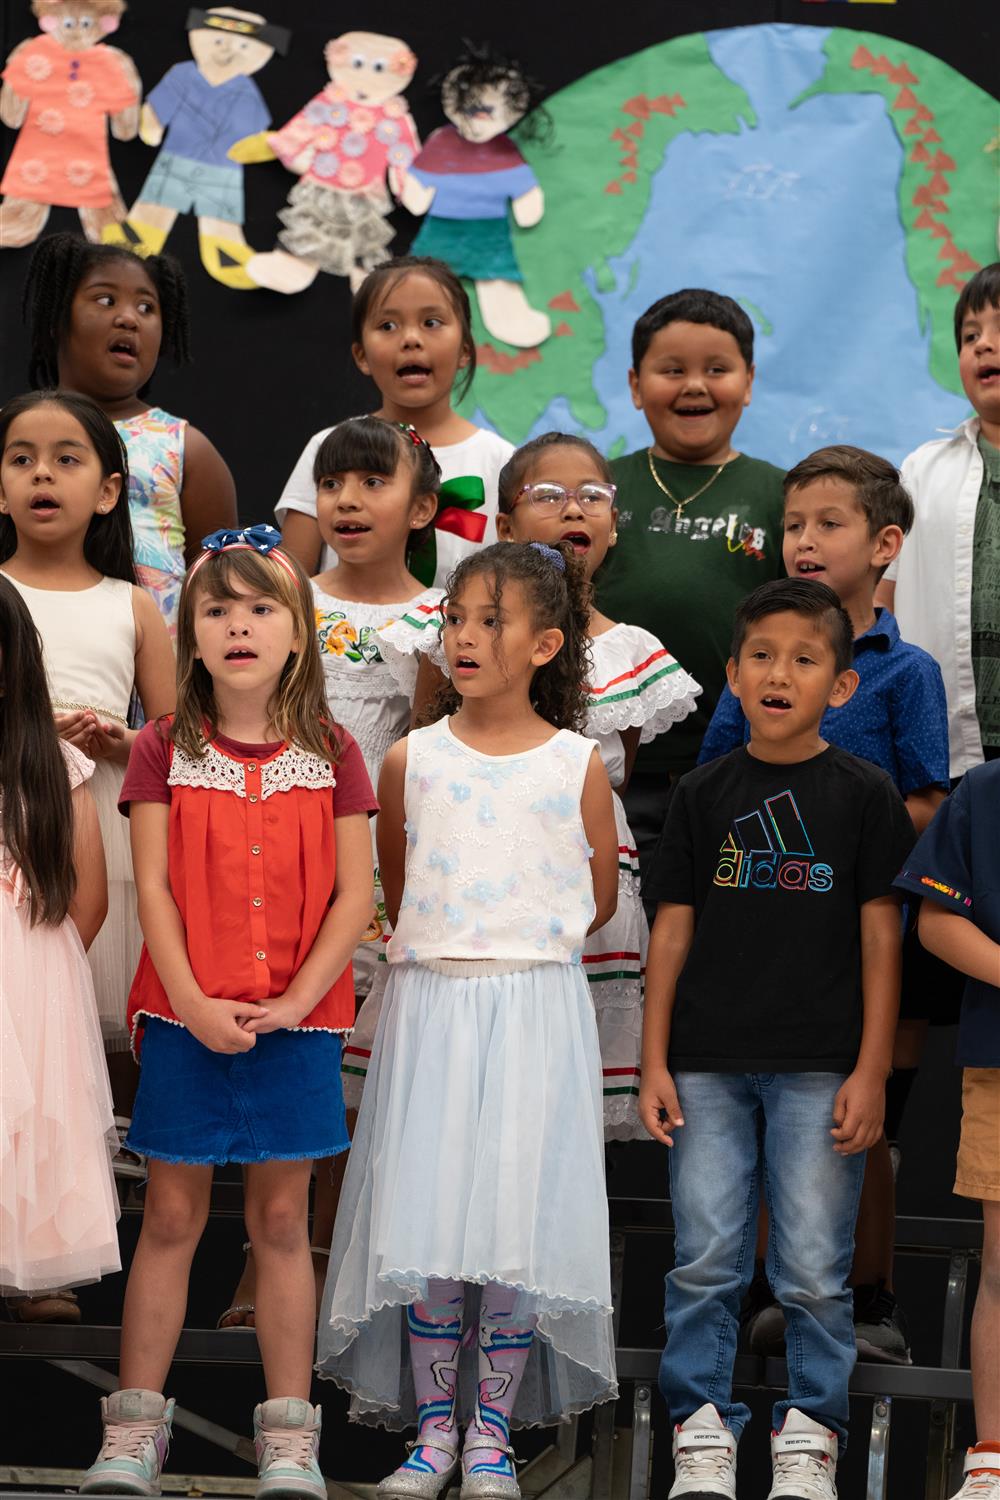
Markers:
(58, 1206)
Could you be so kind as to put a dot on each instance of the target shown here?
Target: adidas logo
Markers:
(769, 849)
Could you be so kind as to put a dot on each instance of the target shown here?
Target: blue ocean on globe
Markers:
(797, 217)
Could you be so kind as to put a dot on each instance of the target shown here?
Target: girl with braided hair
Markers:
(99, 319)
(475, 1185)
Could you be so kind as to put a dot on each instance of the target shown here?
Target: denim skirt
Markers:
(281, 1101)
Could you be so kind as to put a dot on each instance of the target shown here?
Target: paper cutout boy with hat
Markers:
(202, 108)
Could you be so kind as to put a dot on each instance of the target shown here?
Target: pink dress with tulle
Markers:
(58, 1205)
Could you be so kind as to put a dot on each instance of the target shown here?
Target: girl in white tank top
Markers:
(66, 546)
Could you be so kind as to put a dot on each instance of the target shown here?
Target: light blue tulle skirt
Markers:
(479, 1156)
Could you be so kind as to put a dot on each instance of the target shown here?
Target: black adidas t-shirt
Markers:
(777, 861)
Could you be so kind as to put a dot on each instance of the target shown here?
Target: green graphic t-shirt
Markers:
(986, 597)
(682, 577)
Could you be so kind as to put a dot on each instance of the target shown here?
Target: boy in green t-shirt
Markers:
(699, 524)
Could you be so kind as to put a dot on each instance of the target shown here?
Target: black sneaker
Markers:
(880, 1326)
(762, 1322)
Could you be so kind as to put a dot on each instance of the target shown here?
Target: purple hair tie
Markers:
(551, 554)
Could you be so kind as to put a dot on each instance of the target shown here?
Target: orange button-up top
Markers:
(252, 859)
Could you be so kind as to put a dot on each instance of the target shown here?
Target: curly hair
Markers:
(481, 66)
(58, 266)
(559, 599)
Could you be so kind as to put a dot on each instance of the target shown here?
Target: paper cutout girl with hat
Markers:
(202, 108)
(61, 89)
(343, 145)
(470, 177)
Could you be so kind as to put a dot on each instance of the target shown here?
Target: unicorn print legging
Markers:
(435, 1329)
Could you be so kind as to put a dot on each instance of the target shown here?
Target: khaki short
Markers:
(978, 1168)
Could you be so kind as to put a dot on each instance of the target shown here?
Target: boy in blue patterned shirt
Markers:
(846, 514)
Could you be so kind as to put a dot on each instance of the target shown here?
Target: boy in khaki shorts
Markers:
(955, 867)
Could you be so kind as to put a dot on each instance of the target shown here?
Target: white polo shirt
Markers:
(933, 575)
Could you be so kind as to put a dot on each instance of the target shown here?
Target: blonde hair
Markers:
(298, 712)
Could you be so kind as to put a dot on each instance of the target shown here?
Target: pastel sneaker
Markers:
(803, 1460)
(286, 1437)
(982, 1473)
(704, 1458)
(134, 1450)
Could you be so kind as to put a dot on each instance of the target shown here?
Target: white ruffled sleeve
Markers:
(415, 633)
(636, 684)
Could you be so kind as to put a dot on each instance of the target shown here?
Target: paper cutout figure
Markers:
(60, 89)
(343, 145)
(203, 107)
(464, 179)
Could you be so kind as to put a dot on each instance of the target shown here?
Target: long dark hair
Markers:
(559, 599)
(58, 266)
(379, 283)
(36, 816)
(107, 545)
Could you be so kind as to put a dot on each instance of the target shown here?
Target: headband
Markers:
(551, 554)
(263, 539)
(277, 37)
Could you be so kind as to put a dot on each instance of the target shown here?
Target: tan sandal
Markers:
(242, 1313)
(44, 1307)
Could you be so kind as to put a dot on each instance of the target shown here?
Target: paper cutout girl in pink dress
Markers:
(344, 145)
(60, 90)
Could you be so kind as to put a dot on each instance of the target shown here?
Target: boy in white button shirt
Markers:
(944, 588)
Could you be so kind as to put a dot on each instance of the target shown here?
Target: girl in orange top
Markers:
(249, 815)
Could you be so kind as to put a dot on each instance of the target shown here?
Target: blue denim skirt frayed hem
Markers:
(281, 1101)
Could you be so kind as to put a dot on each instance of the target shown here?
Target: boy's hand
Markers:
(220, 1024)
(858, 1113)
(659, 1107)
(282, 1012)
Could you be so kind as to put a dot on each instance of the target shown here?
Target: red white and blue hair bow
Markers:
(261, 538)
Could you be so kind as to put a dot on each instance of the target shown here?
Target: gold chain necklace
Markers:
(680, 504)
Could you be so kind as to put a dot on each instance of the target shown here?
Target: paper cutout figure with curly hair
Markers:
(471, 176)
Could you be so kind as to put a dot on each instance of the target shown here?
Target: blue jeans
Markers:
(744, 1129)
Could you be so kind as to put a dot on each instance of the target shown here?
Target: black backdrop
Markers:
(269, 370)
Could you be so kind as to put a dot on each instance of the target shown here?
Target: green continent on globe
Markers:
(612, 130)
(949, 188)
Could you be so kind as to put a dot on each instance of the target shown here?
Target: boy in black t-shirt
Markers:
(772, 988)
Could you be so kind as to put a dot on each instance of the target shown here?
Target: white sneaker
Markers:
(803, 1460)
(286, 1436)
(704, 1458)
(981, 1483)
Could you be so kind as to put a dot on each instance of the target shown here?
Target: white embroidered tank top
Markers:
(497, 859)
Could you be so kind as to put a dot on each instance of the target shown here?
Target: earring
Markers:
(612, 539)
